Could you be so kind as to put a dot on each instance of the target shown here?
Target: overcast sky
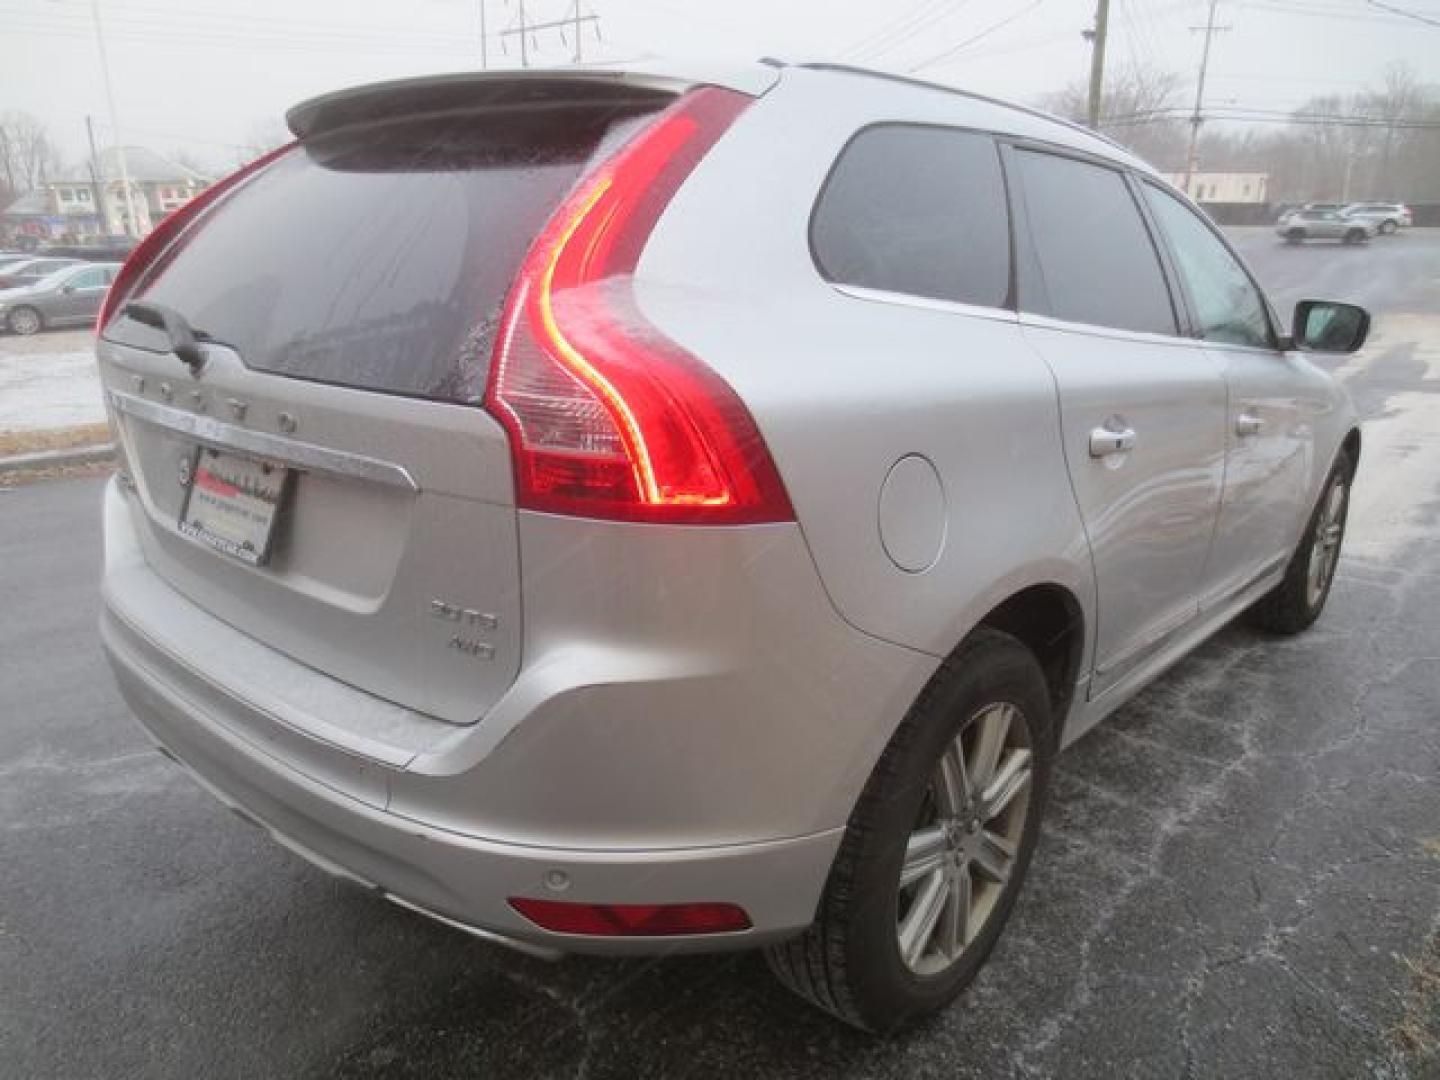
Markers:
(202, 75)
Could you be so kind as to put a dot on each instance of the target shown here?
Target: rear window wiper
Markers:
(184, 338)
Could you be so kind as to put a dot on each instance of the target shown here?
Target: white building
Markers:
(1224, 187)
(157, 186)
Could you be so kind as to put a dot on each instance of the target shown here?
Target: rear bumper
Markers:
(464, 879)
(454, 821)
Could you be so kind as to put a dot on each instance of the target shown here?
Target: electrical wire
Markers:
(973, 39)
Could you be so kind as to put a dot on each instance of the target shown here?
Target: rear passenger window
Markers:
(918, 210)
(1096, 260)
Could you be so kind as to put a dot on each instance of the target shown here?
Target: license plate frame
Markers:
(243, 498)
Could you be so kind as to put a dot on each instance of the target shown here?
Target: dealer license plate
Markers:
(233, 503)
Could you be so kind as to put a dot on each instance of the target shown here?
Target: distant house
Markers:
(1223, 187)
(29, 215)
(75, 205)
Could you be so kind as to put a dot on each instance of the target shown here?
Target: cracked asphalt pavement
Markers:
(1240, 874)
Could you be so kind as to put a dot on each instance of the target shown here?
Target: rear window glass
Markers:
(380, 257)
(918, 210)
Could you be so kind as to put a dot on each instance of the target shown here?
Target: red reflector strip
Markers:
(632, 920)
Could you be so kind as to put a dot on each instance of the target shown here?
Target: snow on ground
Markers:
(48, 381)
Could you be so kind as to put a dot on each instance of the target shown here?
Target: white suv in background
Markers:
(1388, 217)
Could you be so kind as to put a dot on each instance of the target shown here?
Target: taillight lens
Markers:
(148, 252)
(608, 417)
(632, 920)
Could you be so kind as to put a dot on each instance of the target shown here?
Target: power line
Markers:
(952, 50)
(902, 36)
(1284, 7)
(1238, 114)
(1426, 19)
(287, 36)
(873, 38)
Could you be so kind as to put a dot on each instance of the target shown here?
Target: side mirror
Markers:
(1329, 326)
(67, 288)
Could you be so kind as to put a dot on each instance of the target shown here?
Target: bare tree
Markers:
(27, 156)
(1139, 107)
(1382, 143)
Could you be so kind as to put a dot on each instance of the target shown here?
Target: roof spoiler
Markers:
(532, 88)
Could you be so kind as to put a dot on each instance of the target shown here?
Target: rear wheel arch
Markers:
(1351, 446)
(1047, 619)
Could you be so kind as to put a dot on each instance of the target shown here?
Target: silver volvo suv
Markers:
(621, 512)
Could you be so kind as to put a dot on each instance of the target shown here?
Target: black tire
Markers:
(1295, 236)
(1356, 236)
(1388, 228)
(25, 320)
(1294, 604)
(849, 961)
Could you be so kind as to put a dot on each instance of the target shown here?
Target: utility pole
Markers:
(1196, 119)
(526, 28)
(484, 45)
(130, 223)
(96, 191)
(1097, 62)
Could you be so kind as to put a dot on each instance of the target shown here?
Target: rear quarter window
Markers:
(917, 210)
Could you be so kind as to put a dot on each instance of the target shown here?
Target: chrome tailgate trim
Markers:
(301, 455)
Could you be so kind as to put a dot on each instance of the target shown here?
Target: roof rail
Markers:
(851, 69)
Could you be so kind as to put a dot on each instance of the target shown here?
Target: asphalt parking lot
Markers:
(1240, 875)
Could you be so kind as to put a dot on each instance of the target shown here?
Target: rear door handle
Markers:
(1247, 423)
(1105, 441)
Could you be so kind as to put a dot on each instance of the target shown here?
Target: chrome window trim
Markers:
(928, 303)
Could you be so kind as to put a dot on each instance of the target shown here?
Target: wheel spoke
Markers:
(952, 784)
(993, 728)
(924, 854)
(955, 920)
(994, 856)
(918, 926)
(1010, 778)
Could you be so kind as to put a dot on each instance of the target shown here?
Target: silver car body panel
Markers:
(680, 713)
(390, 495)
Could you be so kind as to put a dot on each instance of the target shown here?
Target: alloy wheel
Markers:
(25, 321)
(1325, 550)
(959, 856)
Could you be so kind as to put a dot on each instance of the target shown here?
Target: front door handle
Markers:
(1247, 423)
(1105, 441)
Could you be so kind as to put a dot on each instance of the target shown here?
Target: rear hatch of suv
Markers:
(323, 479)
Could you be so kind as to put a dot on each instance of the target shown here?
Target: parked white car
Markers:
(1388, 217)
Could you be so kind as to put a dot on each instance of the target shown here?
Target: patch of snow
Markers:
(49, 390)
(1398, 486)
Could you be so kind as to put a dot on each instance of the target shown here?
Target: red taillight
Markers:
(607, 416)
(149, 250)
(632, 920)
